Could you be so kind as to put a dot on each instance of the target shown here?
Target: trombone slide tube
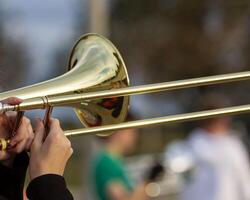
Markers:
(154, 121)
(150, 88)
(64, 100)
(27, 104)
(162, 120)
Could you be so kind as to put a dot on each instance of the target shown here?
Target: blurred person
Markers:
(222, 170)
(109, 178)
(45, 166)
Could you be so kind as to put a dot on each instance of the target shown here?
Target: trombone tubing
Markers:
(62, 100)
(161, 120)
(150, 88)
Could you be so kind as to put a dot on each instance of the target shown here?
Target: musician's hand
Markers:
(23, 137)
(49, 156)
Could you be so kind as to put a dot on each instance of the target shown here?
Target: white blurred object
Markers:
(222, 169)
(178, 157)
(167, 186)
(153, 189)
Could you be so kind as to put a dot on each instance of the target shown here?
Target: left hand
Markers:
(23, 137)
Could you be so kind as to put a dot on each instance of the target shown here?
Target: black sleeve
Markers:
(49, 186)
(12, 179)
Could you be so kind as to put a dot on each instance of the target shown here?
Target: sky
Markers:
(43, 26)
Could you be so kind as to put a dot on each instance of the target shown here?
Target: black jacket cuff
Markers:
(49, 186)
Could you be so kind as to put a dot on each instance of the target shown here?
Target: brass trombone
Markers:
(97, 87)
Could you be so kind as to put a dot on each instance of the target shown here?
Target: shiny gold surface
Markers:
(102, 69)
(73, 98)
(142, 89)
(94, 65)
(162, 120)
(4, 144)
(65, 100)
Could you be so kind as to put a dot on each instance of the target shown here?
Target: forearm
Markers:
(118, 192)
(139, 193)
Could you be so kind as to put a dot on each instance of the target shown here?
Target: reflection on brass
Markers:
(4, 144)
(94, 65)
(97, 87)
(162, 120)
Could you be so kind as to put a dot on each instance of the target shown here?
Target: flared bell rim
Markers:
(118, 55)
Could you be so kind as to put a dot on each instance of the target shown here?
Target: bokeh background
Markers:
(160, 40)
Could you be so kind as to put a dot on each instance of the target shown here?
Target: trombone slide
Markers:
(65, 100)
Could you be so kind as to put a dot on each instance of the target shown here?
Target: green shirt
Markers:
(108, 168)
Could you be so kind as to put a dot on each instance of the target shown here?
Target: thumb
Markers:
(12, 101)
(39, 134)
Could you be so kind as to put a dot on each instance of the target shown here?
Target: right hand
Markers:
(49, 156)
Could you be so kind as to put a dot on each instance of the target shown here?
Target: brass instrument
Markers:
(97, 87)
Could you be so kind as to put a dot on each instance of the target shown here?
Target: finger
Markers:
(8, 119)
(22, 132)
(30, 138)
(54, 124)
(5, 122)
(11, 116)
(30, 131)
(19, 136)
(12, 101)
(20, 147)
(29, 144)
(39, 133)
(54, 128)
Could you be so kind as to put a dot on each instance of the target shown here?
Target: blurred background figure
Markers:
(222, 169)
(109, 178)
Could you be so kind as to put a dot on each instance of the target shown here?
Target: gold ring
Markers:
(4, 143)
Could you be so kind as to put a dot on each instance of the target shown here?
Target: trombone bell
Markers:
(94, 65)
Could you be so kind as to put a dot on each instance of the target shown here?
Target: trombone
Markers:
(97, 87)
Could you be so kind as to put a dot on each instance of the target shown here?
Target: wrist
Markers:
(44, 171)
